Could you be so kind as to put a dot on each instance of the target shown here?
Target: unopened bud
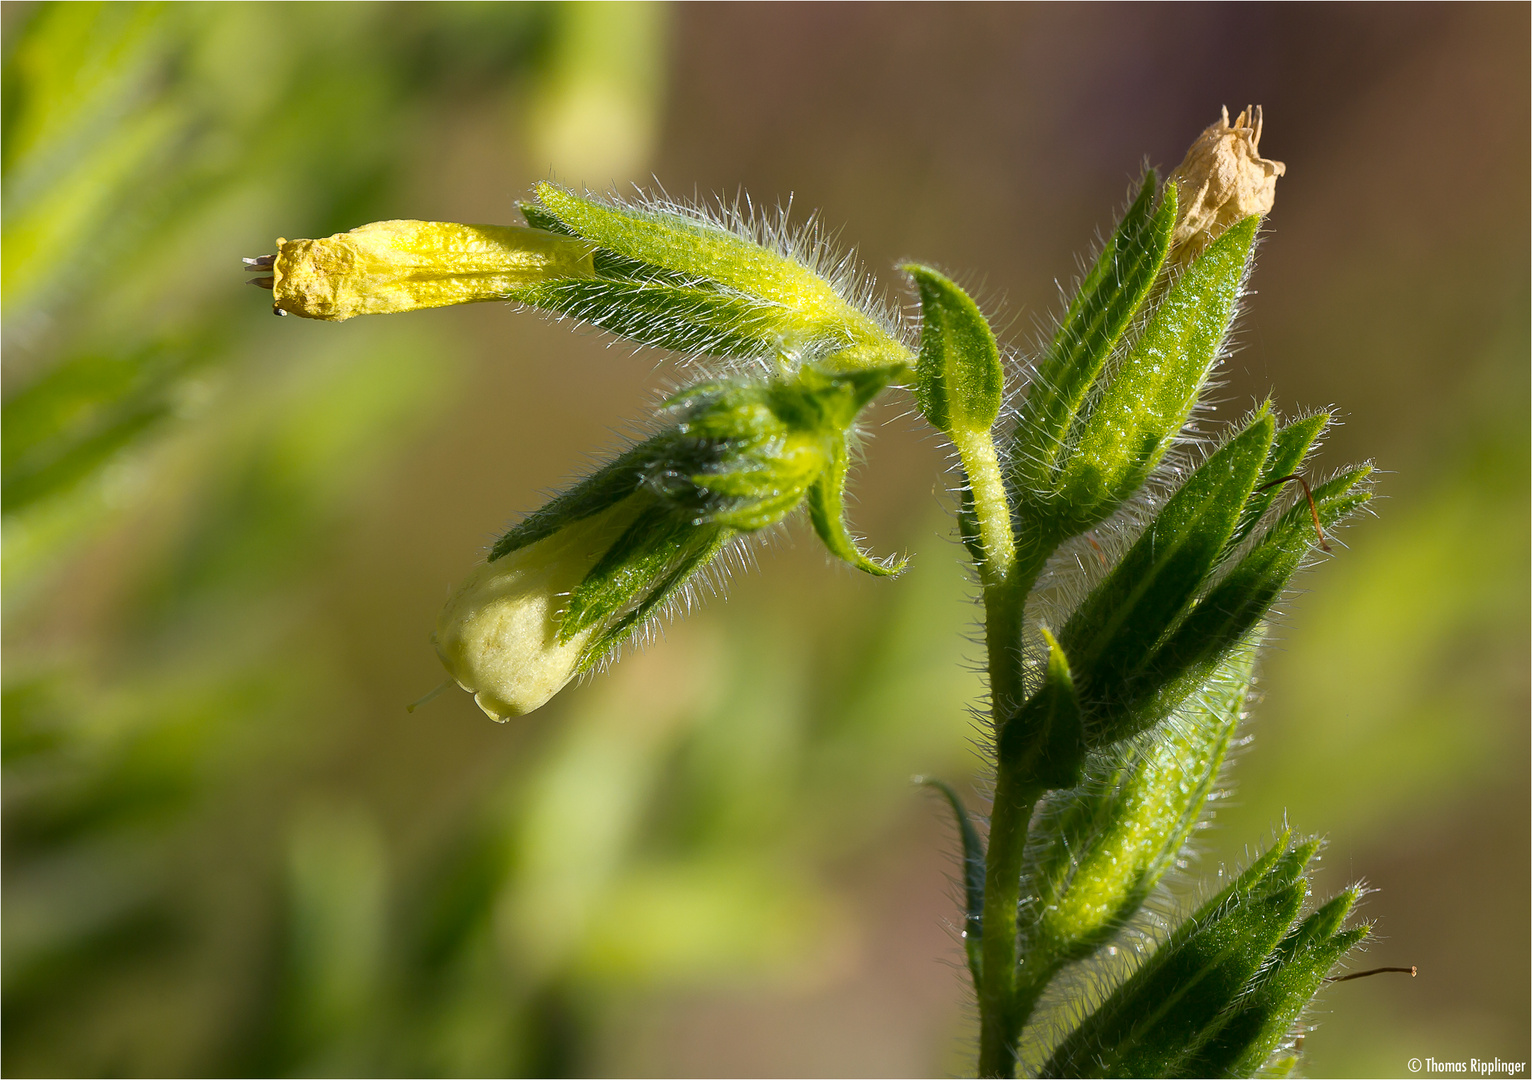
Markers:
(391, 266)
(499, 634)
(1222, 181)
(575, 579)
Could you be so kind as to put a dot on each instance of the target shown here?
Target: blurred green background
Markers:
(227, 847)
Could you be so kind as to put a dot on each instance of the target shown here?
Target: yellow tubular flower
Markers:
(391, 266)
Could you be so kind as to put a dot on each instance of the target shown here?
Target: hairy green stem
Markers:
(1006, 585)
(1001, 1013)
(991, 508)
(999, 1019)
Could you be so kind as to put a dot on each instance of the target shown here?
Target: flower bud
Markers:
(1223, 180)
(572, 581)
(498, 635)
(391, 266)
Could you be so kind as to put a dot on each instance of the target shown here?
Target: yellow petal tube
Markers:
(391, 266)
(498, 635)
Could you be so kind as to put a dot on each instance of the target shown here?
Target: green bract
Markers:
(1219, 995)
(1112, 715)
(1100, 848)
(684, 283)
(959, 382)
(1103, 306)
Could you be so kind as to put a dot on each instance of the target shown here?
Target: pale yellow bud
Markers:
(1223, 180)
(498, 635)
(393, 266)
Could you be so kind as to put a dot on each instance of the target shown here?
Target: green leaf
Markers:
(1118, 443)
(1238, 603)
(1112, 635)
(1246, 1037)
(1101, 311)
(959, 381)
(1291, 445)
(1180, 992)
(1047, 735)
(827, 510)
(973, 878)
(1098, 850)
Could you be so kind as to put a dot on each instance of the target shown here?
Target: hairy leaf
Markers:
(1112, 635)
(1246, 1036)
(1143, 1028)
(1117, 443)
(827, 502)
(973, 878)
(1244, 596)
(1098, 850)
(959, 381)
(1101, 311)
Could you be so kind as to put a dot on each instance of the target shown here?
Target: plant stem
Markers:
(1006, 585)
(999, 1021)
(991, 508)
(1001, 1014)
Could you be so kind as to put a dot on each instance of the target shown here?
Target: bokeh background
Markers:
(227, 847)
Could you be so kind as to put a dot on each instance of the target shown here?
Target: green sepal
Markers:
(1101, 311)
(973, 878)
(1046, 736)
(1182, 992)
(811, 400)
(1111, 636)
(607, 264)
(1247, 1036)
(608, 486)
(539, 218)
(689, 246)
(1115, 445)
(1241, 599)
(1292, 444)
(1098, 850)
(809, 317)
(751, 512)
(705, 543)
(749, 453)
(959, 380)
(827, 510)
(839, 396)
(666, 315)
(659, 547)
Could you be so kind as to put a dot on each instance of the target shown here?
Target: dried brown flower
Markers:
(1223, 180)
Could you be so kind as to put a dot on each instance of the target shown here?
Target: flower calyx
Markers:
(581, 575)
